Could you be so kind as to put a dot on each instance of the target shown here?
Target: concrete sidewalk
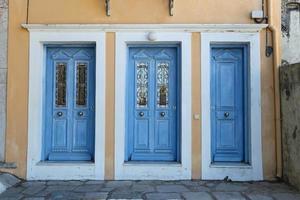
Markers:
(198, 190)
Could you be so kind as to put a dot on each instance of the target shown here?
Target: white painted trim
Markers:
(59, 170)
(238, 173)
(148, 27)
(3, 77)
(152, 171)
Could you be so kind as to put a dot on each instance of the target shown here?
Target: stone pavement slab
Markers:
(187, 190)
(89, 188)
(143, 188)
(33, 190)
(286, 196)
(199, 188)
(96, 195)
(228, 195)
(172, 188)
(259, 197)
(7, 180)
(115, 184)
(162, 196)
(231, 187)
(197, 196)
(34, 198)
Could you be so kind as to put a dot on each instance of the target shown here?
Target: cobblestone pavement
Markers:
(198, 190)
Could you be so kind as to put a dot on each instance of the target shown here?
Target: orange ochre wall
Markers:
(126, 12)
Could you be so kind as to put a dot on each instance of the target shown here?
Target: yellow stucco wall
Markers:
(110, 107)
(126, 11)
(141, 11)
(196, 106)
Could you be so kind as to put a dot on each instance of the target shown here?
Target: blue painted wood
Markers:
(229, 100)
(152, 130)
(69, 129)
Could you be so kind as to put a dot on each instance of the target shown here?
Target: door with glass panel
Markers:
(69, 103)
(152, 128)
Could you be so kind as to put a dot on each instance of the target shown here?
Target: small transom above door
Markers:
(69, 103)
(152, 103)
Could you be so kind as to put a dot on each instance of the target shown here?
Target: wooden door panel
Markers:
(151, 103)
(226, 138)
(80, 136)
(69, 103)
(225, 81)
(59, 137)
(228, 103)
(164, 140)
(142, 135)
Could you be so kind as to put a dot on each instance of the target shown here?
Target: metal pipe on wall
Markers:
(276, 63)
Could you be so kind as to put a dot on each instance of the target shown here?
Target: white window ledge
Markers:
(148, 27)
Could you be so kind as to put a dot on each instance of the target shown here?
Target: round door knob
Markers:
(141, 114)
(226, 114)
(162, 114)
(80, 113)
(59, 114)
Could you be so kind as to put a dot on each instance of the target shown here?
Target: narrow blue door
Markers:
(152, 103)
(70, 103)
(229, 103)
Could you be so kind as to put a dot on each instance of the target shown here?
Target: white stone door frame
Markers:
(37, 169)
(146, 171)
(254, 171)
(3, 74)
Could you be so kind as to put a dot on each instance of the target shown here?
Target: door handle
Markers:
(141, 114)
(226, 114)
(80, 113)
(162, 114)
(59, 114)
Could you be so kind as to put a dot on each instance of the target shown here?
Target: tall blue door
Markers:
(229, 92)
(69, 103)
(152, 103)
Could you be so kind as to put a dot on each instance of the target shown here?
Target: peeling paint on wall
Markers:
(3, 72)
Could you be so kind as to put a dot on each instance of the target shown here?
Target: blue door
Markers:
(229, 86)
(69, 103)
(152, 103)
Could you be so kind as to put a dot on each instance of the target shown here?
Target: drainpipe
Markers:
(276, 63)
